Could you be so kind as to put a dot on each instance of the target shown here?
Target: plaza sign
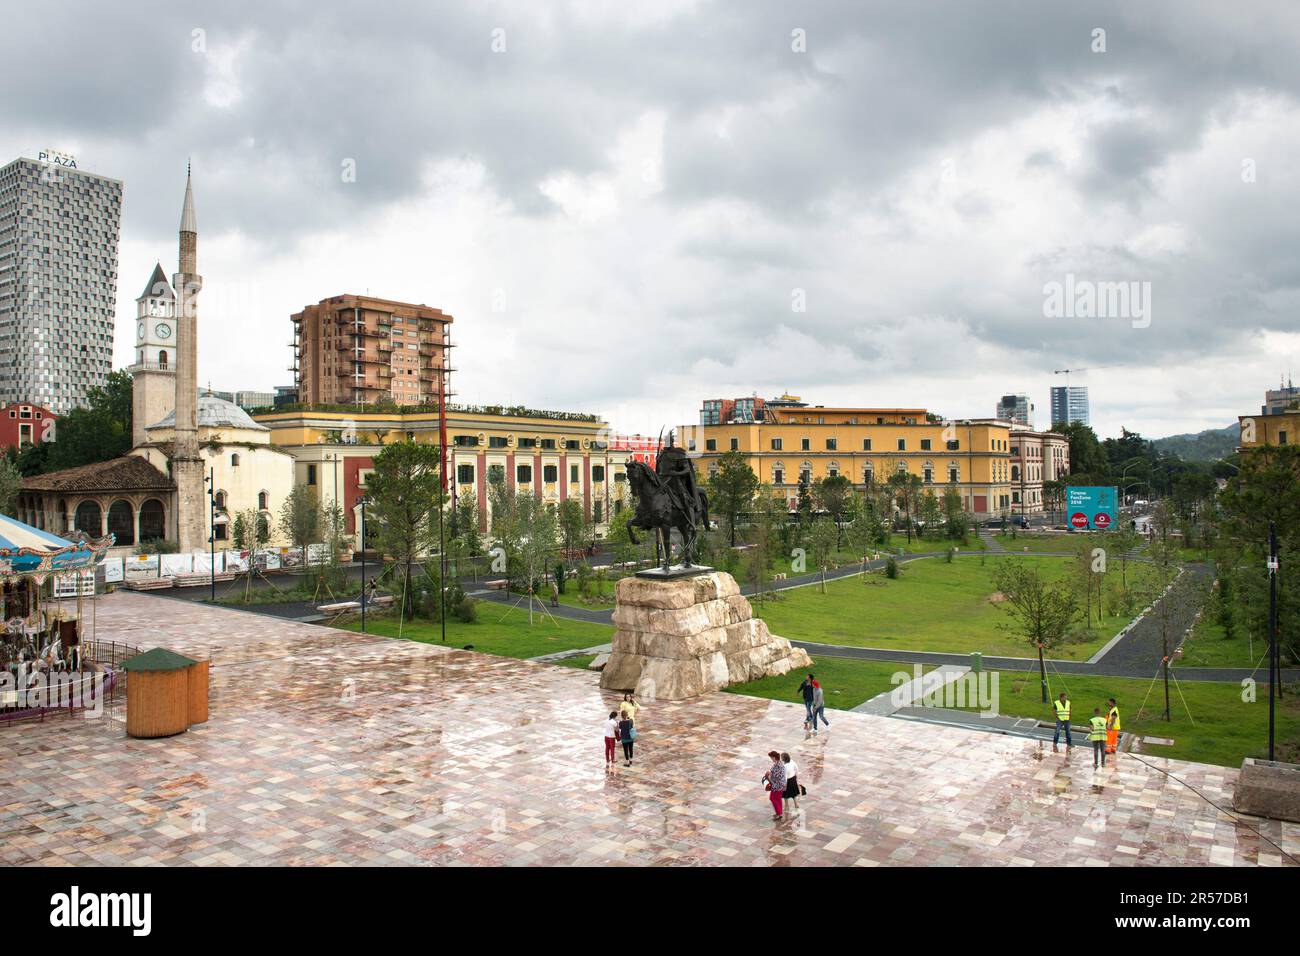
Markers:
(56, 158)
(1091, 508)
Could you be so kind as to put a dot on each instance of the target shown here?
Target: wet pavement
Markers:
(329, 747)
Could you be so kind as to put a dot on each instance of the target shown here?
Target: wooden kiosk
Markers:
(166, 692)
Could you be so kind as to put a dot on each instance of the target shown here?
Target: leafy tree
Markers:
(575, 530)
(404, 490)
(834, 496)
(468, 538)
(931, 514)
(906, 488)
(731, 490)
(770, 515)
(620, 540)
(1086, 456)
(97, 431)
(862, 534)
(1054, 497)
(11, 483)
(533, 534)
(956, 522)
(301, 518)
(821, 545)
(804, 501)
(1039, 611)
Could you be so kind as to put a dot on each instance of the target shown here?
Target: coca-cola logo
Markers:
(1079, 519)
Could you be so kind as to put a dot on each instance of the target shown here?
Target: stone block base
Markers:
(680, 638)
(1267, 789)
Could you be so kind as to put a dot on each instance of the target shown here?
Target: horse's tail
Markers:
(704, 506)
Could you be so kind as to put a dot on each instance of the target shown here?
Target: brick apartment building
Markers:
(358, 349)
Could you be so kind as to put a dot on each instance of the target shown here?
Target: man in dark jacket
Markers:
(808, 690)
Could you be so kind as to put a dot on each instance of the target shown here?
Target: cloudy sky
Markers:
(632, 207)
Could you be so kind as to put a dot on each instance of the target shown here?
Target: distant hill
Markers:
(1209, 445)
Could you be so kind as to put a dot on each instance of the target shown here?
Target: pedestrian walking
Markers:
(628, 707)
(555, 595)
(627, 736)
(774, 782)
(819, 707)
(792, 788)
(1097, 734)
(611, 738)
(1062, 707)
(806, 690)
(1112, 727)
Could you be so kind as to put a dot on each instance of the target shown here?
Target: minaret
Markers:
(187, 466)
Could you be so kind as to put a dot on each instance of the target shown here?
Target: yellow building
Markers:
(559, 455)
(866, 445)
(1279, 428)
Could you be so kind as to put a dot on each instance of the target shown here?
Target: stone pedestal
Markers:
(683, 637)
(1267, 789)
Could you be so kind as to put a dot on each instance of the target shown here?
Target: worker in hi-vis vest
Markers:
(1062, 705)
(1097, 734)
(1112, 727)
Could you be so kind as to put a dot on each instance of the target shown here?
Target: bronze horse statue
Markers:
(666, 501)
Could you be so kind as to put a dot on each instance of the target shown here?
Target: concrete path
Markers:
(886, 704)
(561, 655)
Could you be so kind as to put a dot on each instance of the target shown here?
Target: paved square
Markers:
(328, 747)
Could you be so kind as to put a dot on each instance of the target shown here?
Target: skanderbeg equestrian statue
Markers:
(668, 498)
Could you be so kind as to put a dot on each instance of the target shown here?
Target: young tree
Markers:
(11, 482)
(575, 530)
(301, 521)
(862, 534)
(468, 539)
(731, 490)
(1041, 612)
(931, 515)
(804, 501)
(821, 545)
(906, 488)
(244, 536)
(834, 496)
(769, 517)
(955, 520)
(404, 491)
(536, 530)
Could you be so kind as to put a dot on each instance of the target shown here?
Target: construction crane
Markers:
(1066, 371)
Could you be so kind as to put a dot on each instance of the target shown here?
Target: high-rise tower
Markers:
(187, 465)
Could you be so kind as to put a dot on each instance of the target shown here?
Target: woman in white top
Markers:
(611, 737)
(791, 781)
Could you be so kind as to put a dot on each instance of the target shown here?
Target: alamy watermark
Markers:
(1085, 299)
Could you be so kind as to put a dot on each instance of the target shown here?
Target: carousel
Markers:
(45, 628)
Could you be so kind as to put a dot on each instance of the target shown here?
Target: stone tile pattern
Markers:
(680, 638)
(329, 747)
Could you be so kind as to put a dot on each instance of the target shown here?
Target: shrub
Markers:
(467, 610)
(891, 567)
(559, 578)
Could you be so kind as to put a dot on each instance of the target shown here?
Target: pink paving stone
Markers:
(328, 747)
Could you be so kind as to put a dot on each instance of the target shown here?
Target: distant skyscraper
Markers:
(1016, 408)
(59, 230)
(1070, 404)
(1282, 399)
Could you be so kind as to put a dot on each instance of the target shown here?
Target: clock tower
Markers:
(154, 371)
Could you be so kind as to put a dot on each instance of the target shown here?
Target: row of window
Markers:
(524, 474)
(832, 444)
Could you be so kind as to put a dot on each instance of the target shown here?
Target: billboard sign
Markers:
(1091, 508)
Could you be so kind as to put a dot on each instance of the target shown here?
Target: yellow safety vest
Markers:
(1098, 731)
(1114, 715)
(1062, 710)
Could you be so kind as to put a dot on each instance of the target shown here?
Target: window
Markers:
(925, 444)
(735, 444)
(776, 444)
(710, 444)
(778, 476)
(1281, 437)
(573, 444)
(866, 444)
(597, 472)
(902, 444)
(550, 474)
(528, 443)
(952, 473)
(868, 474)
(928, 473)
(234, 461)
(1015, 472)
(954, 445)
(311, 474)
(219, 499)
(573, 473)
(497, 441)
(548, 443)
(805, 444)
(465, 441)
(263, 501)
(831, 443)
(524, 474)
(465, 474)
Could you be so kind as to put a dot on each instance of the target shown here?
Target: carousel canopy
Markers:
(28, 550)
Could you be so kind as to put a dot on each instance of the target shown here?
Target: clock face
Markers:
(139, 332)
(163, 330)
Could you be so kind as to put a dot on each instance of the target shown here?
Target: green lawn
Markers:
(845, 682)
(1221, 728)
(933, 606)
(1207, 647)
(577, 663)
(498, 630)
(1035, 543)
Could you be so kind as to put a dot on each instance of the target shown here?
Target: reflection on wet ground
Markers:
(331, 747)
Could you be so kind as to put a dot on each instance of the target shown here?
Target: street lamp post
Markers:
(1274, 671)
(361, 500)
(212, 533)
